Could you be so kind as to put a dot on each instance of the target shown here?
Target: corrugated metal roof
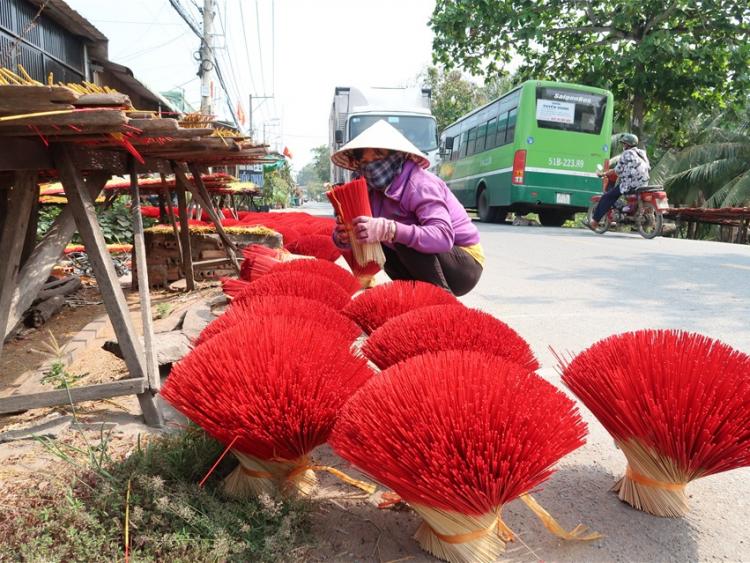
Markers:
(72, 21)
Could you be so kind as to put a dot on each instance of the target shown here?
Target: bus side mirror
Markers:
(339, 136)
(449, 143)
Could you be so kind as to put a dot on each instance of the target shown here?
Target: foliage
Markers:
(169, 518)
(47, 216)
(279, 187)
(454, 96)
(715, 168)
(322, 162)
(116, 222)
(659, 58)
(316, 173)
(162, 310)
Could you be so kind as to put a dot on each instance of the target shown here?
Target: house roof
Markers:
(68, 18)
(126, 75)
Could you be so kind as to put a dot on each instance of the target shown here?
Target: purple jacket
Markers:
(428, 216)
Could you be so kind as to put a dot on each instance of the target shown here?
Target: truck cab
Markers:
(407, 109)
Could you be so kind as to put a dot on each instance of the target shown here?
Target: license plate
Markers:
(563, 199)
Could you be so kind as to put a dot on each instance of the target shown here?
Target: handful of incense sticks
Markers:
(350, 200)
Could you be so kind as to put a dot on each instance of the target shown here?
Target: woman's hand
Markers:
(373, 229)
(340, 233)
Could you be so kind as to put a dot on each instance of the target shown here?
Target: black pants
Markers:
(455, 271)
(606, 202)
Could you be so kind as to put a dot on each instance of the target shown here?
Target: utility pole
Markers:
(250, 111)
(206, 71)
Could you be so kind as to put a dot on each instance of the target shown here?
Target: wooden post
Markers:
(82, 205)
(20, 202)
(186, 246)
(170, 215)
(202, 193)
(139, 247)
(31, 228)
(35, 272)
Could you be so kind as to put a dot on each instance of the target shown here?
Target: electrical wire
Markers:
(247, 48)
(193, 26)
(260, 48)
(228, 57)
(147, 49)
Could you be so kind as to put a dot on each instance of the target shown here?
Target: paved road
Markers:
(567, 289)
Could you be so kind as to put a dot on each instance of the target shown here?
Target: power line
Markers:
(260, 49)
(247, 48)
(194, 27)
(147, 49)
(228, 57)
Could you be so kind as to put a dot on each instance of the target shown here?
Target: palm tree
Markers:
(716, 166)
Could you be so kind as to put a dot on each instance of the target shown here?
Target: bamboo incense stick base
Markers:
(254, 477)
(461, 538)
(367, 252)
(652, 483)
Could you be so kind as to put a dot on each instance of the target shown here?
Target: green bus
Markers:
(535, 149)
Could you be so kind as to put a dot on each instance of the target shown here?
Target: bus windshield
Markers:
(420, 130)
(570, 110)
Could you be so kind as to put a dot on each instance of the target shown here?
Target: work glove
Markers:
(341, 234)
(374, 229)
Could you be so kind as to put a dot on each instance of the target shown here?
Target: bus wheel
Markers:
(553, 217)
(486, 213)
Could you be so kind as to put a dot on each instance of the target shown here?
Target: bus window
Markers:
(502, 123)
(471, 145)
(491, 130)
(456, 148)
(464, 143)
(481, 135)
(570, 110)
(511, 130)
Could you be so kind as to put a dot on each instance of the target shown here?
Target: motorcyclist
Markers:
(632, 170)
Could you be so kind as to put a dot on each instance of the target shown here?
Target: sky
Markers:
(297, 51)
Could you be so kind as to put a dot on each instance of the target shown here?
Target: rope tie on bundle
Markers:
(505, 533)
(648, 482)
(305, 465)
(579, 533)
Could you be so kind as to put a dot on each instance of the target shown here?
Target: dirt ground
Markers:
(28, 465)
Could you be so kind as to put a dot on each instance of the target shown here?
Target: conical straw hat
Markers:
(381, 135)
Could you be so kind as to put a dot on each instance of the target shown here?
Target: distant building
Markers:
(62, 43)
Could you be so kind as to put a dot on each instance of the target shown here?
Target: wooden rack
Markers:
(99, 136)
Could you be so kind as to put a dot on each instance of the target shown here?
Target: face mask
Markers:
(380, 173)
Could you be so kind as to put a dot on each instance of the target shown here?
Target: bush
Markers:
(116, 222)
(170, 518)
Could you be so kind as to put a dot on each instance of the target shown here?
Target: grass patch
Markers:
(170, 518)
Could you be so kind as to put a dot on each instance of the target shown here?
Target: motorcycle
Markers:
(644, 208)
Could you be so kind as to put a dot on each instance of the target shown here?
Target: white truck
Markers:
(407, 109)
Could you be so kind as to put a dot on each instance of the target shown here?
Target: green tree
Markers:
(279, 187)
(716, 166)
(452, 95)
(659, 57)
(322, 162)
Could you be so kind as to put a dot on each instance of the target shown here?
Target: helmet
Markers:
(629, 139)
